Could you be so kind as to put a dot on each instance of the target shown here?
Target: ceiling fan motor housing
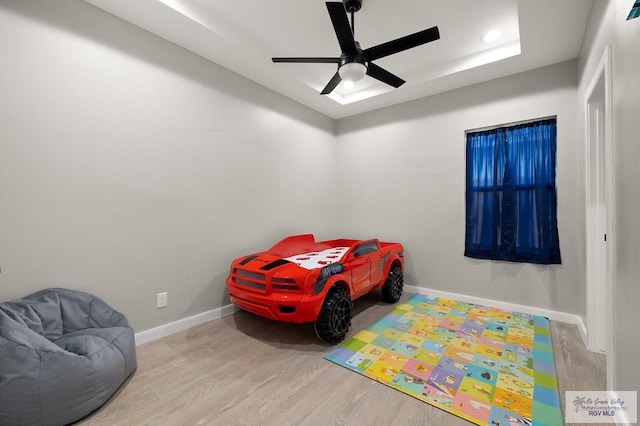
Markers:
(358, 57)
(352, 5)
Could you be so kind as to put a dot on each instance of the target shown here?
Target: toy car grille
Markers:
(250, 279)
(252, 275)
(250, 284)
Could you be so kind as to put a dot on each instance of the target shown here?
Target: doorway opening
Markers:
(599, 211)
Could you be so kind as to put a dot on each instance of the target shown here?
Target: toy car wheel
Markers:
(393, 286)
(335, 316)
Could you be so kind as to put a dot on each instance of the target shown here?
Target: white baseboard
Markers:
(582, 328)
(552, 315)
(622, 417)
(183, 324)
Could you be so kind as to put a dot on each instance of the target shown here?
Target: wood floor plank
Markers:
(243, 369)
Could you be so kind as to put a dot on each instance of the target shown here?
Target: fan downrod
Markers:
(352, 5)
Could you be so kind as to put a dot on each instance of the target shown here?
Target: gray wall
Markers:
(402, 171)
(129, 166)
(608, 26)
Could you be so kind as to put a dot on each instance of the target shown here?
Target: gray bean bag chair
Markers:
(63, 353)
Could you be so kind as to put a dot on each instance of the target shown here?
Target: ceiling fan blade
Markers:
(340, 21)
(384, 76)
(402, 43)
(308, 60)
(335, 80)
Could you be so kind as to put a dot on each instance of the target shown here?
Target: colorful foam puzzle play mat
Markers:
(485, 365)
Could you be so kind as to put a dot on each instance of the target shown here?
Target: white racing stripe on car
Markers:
(318, 259)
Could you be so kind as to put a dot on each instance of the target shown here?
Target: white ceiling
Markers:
(243, 36)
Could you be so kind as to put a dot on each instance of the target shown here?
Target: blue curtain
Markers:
(511, 194)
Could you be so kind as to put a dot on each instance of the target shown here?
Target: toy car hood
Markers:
(307, 260)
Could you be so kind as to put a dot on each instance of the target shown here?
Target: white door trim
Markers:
(598, 191)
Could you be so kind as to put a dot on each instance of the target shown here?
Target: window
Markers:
(511, 199)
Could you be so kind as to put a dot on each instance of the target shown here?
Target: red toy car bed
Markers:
(300, 280)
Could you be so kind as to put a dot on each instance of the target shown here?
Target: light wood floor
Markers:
(243, 369)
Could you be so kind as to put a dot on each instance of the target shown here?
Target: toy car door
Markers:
(361, 265)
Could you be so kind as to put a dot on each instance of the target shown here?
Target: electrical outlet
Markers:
(162, 300)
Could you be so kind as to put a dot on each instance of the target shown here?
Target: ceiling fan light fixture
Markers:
(352, 71)
(354, 62)
(348, 84)
(491, 35)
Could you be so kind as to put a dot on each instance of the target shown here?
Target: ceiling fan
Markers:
(354, 62)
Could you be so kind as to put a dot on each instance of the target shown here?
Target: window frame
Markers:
(523, 253)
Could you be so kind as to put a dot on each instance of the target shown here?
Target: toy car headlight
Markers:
(325, 273)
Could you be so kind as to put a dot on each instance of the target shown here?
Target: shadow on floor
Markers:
(302, 336)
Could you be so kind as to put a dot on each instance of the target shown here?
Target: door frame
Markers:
(599, 209)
